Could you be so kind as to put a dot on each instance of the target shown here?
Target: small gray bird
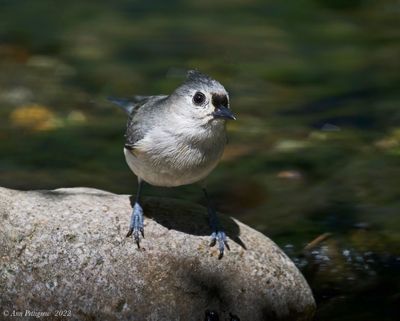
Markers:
(177, 140)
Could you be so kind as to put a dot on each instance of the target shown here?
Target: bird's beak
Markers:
(223, 112)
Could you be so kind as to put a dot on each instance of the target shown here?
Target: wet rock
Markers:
(65, 250)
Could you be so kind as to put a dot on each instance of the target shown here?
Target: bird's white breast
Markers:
(167, 157)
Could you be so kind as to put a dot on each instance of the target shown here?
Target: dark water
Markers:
(313, 157)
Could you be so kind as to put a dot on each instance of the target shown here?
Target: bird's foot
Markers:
(136, 227)
(220, 238)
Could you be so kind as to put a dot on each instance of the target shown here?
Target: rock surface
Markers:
(65, 250)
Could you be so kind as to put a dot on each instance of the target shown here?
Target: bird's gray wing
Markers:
(137, 107)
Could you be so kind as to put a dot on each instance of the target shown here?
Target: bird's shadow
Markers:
(186, 217)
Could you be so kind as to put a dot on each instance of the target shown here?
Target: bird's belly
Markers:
(163, 172)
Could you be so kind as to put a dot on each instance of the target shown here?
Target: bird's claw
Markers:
(136, 227)
(220, 237)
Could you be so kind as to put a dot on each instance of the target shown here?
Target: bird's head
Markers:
(202, 98)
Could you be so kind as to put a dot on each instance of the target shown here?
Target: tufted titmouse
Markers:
(177, 140)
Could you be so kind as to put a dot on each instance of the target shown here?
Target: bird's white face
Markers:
(203, 102)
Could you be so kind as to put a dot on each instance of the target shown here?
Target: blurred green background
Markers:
(314, 154)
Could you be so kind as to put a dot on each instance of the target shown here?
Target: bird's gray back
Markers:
(144, 115)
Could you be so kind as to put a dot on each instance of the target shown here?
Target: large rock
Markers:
(66, 250)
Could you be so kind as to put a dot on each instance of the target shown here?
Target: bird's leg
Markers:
(218, 235)
(136, 226)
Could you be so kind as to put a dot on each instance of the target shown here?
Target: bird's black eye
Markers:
(199, 98)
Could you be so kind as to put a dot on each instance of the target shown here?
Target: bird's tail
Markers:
(126, 104)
